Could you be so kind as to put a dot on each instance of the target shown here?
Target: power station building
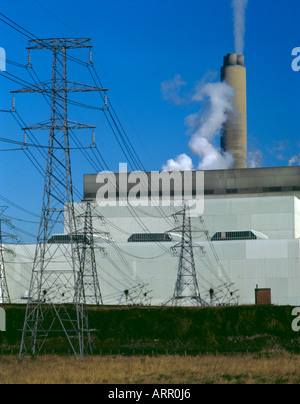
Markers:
(250, 224)
(253, 219)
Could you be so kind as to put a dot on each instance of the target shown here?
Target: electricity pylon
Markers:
(186, 292)
(88, 260)
(56, 300)
(4, 292)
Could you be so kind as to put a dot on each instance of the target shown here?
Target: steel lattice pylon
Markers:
(88, 260)
(186, 292)
(56, 300)
(4, 292)
(221, 291)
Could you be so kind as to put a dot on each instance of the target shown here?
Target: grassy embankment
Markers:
(158, 330)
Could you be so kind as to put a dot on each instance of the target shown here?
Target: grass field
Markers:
(264, 348)
(264, 368)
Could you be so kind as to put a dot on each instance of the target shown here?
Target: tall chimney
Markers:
(234, 132)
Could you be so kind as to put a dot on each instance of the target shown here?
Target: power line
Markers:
(73, 135)
(9, 150)
(6, 20)
(41, 150)
(122, 139)
(25, 145)
(6, 200)
(113, 121)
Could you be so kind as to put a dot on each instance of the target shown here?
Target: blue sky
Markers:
(138, 45)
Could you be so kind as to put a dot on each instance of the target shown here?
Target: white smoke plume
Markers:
(205, 126)
(170, 90)
(217, 99)
(211, 157)
(295, 160)
(255, 159)
(239, 11)
(181, 163)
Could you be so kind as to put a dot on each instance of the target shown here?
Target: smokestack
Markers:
(234, 132)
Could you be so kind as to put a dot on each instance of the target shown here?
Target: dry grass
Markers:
(280, 367)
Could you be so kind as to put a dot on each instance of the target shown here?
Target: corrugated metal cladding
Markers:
(271, 261)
